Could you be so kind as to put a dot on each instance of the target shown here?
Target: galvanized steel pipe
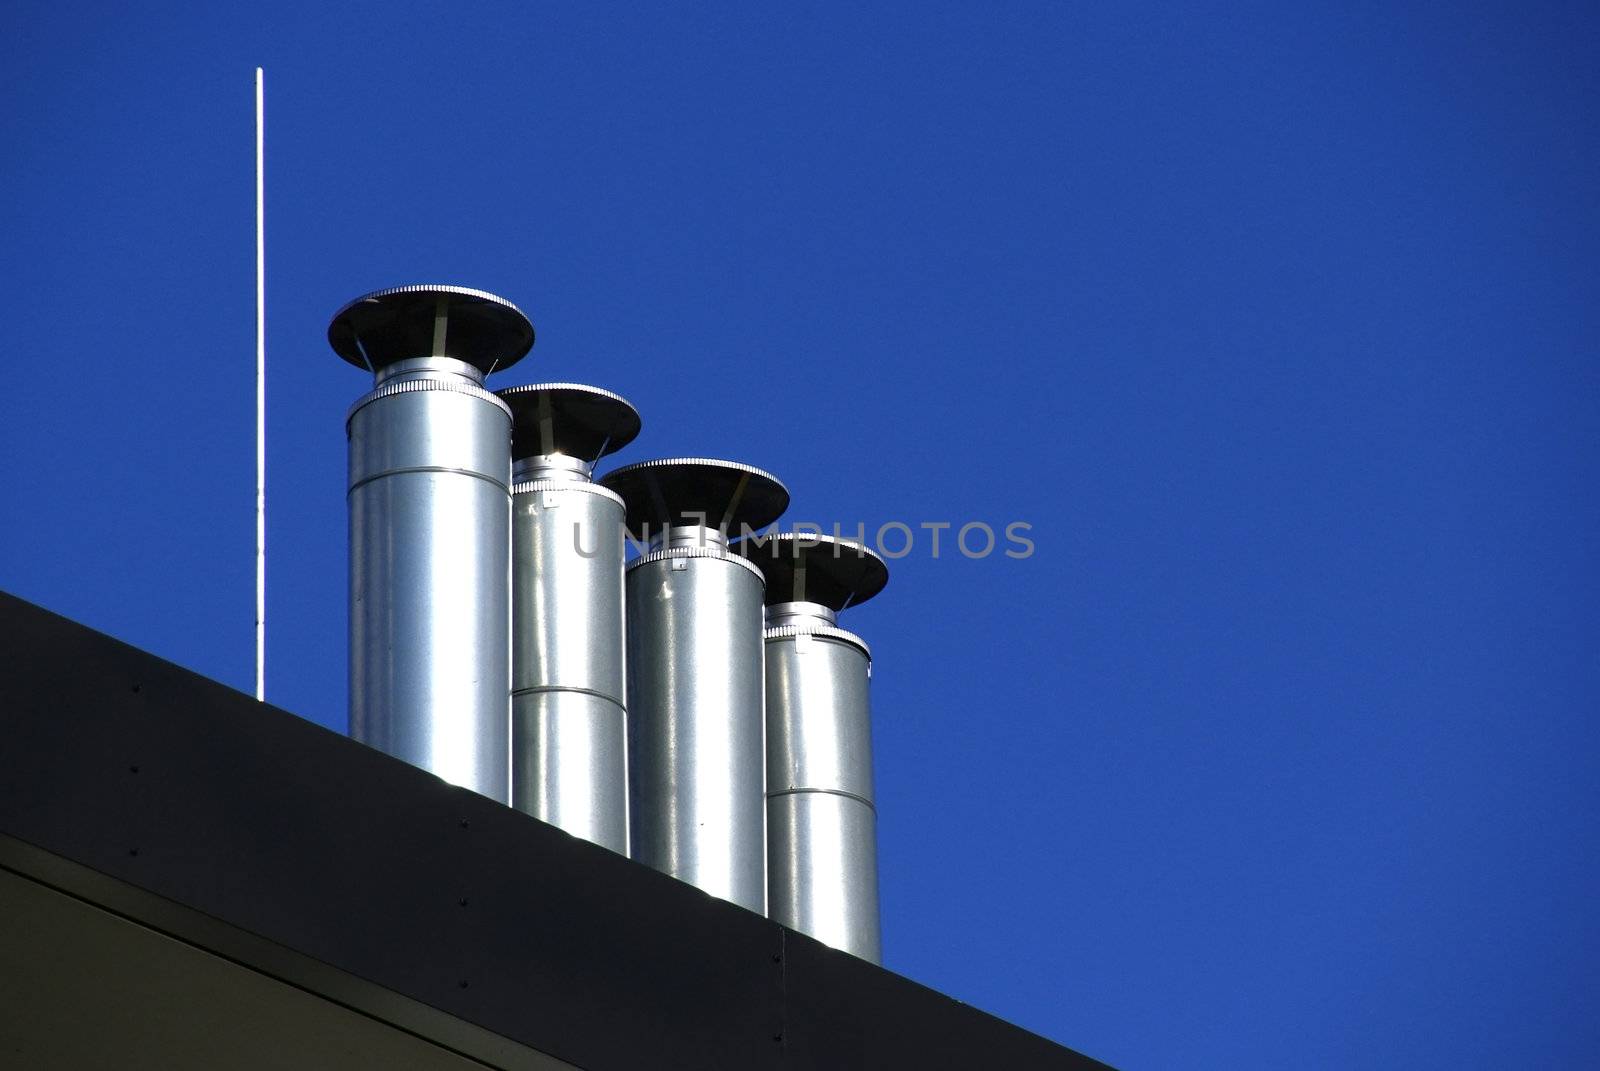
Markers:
(569, 720)
(821, 816)
(695, 674)
(430, 539)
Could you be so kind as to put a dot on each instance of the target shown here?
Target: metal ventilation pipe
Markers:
(430, 529)
(822, 839)
(695, 672)
(569, 758)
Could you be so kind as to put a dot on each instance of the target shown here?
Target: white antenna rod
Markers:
(261, 405)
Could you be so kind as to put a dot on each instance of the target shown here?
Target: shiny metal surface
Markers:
(822, 838)
(430, 615)
(814, 831)
(549, 467)
(430, 529)
(569, 764)
(799, 614)
(569, 721)
(696, 729)
(569, 742)
(821, 821)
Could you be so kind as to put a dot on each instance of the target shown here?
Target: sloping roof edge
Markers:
(192, 805)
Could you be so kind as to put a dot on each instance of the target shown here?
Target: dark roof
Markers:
(189, 808)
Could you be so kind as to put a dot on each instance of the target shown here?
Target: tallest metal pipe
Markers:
(430, 529)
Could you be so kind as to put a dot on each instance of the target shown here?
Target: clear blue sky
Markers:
(1277, 322)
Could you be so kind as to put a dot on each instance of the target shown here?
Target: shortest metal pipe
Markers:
(822, 847)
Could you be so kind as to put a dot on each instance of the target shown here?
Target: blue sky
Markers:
(1276, 322)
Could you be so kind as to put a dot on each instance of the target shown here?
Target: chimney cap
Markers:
(808, 567)
(726, 495)
(402, 323)
(583, 422)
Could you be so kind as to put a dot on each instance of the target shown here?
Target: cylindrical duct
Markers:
(822, 840)
(696, 748)
(430, 529)
(568, 719)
